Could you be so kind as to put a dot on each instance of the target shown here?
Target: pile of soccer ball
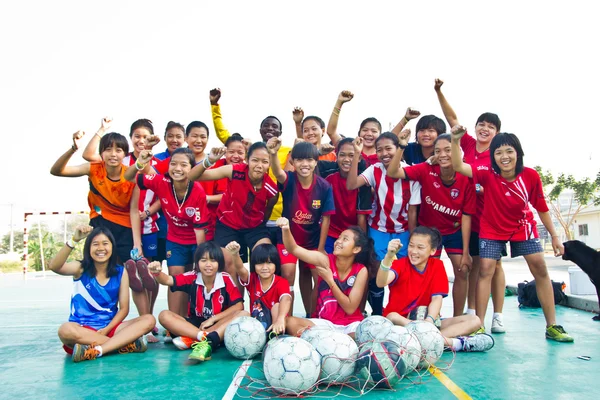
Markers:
(381, 355)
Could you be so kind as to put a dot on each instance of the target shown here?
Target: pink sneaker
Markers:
(135, 283)
(146, 277)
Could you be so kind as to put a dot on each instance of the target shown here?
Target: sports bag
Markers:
(527, 294)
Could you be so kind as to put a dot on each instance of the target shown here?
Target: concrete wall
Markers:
(593, 222)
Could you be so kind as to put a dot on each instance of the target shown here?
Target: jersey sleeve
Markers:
(415, 193)
(328, 204)
(289, 182)
(251, 277)
(467, 142)
(364, 201)
(282, 288)
(396, 269)
(469, 202)
(369, 176)
(481, 176)
(162, 167)
(416, 172)
(221, 132)
(537, 198)
(183, 282)
(232, 290)
(148, 182)
(439, 281)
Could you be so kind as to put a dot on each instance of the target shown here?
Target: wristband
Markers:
(69, 243)
(139, 166)
(384, 267)
(405, 119)
(74, 147)
(207, 164)
(147, 213)
(403, 147)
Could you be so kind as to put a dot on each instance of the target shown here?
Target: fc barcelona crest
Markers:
(190, 211)
(316, 204)
(454, 193)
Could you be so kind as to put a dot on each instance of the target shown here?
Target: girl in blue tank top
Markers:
(100, 300)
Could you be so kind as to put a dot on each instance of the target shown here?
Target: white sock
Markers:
(470, 311)
(457, 344)
(99, 348)
(201, 335)
(498, 315)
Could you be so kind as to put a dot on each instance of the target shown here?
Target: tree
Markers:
(17, 243)
(586, 192)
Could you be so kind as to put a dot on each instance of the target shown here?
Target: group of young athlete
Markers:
(356, 214)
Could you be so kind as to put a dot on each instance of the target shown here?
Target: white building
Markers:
(586, 226)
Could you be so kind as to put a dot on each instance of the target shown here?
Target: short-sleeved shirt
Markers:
(146, 198)
(506, 212)
(370, 159)
(305, 207)
(211, 188)
(413, 154)
(475, 159)
(327, 305)
(162, 156)
(412, 288)
(242, 206)
(109, 198)
(182, 219)
(442, 206)
(348, 203)
(203, 304)
(392, 198)
(275, 292)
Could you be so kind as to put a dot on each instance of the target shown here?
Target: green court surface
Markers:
(521, 365)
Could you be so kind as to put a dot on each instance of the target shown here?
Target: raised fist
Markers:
(298, 114)
(215, 95)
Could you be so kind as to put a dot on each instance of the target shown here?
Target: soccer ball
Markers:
(410, 347)
(245, 337)
(372, 328)
(380, 363)
(338, 353)
(291, 365)
(431, 340)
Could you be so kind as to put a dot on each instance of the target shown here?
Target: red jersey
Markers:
(182, 219)
(203, 304)
(348, 204)
(392, 198)
(475, 159)
(327, 306)
(412, 288)
(506, 212)
(242, 206)
(442, 206)
(108, 198)
(275, 292)
(146, 199)
(370, 160)
(212, 188)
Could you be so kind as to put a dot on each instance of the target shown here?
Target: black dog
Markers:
(587, 259)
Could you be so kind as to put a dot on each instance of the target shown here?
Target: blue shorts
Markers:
(329, 244)
(150, 244)
(453, 244)
(382, 239)
(493, 248)
(180, 255)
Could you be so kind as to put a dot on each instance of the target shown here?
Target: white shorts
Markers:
(347, 329)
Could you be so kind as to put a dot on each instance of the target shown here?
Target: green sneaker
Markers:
(201, 351)
(478, 331)
(557, 332)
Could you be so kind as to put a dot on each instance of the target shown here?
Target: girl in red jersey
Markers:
(448, 201)
(246, 204)
(214, 302)
(507, 217)
(419, 282)
(308, 203)
(343, 278)
(184, 205)
(477, 153)
(270, 298)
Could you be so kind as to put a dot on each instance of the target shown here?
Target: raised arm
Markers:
(142, 165)
(90, 153)
(298, 115)
(241, 271)
(155, 269)
(394, 169)
(408, 115)
(59, 263)
(60, 167)
(273, 146)
(201, 171)
(222, 132)
(344, 97)
(384, 277)
(446, 108)
(458, 131)
(352, 182)
(308, 256)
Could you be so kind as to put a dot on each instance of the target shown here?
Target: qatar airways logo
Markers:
(441, 208)
(302, 218)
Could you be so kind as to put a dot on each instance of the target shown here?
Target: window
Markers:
(583, 230)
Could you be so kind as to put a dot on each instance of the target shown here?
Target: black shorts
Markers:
(195, 320)
(245, 237)
(122, 234)
(474, 245)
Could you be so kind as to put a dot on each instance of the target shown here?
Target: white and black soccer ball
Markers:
(338, 353)
(245, 337)
(431, 341)
(372, 328)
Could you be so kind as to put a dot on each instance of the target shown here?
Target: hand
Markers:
(358, 145)
(103, 331)
(411, 114)
(325, 273)
(298, 140)
(557, 246)
(394, 247)
(298, 115)
(326, 148)
(81, 232)
(143, 215)
(214, 96)
(273, 145)
(155, 268)
(278, 327)
(216, 153)
(208, 323)
(105, 124)
(438, 84)
(145, 157)
(247, 143)
(76, 137)
(345, 96)
(458, 131)
(151, 141)
(403, 137)
(283, 223)
(466, 262)
(233, 248)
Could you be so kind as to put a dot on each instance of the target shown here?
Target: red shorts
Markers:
(288, 258)
(69, 350)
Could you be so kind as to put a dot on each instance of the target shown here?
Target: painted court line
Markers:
(447, 382)
(237, 380)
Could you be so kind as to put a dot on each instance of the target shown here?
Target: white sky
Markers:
(66, 64)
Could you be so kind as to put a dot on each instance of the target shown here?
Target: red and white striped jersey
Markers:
(147, 197)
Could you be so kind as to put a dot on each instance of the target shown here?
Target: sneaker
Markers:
(478, 331)
(201, 351)
(135, 282)
(146, 277)
(498, 325)
(184, 342)
(139, 346)
(168, 337)
(83, 352)
(478, 342)
(555, 332)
